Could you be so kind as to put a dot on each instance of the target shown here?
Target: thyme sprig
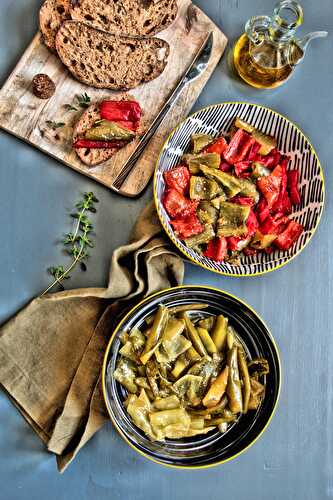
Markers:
(83, 100)
(54, 125)
(76, 243)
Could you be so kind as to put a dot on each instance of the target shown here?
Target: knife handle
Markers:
(127, 168)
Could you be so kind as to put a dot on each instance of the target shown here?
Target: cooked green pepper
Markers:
(197, 423)
(199, 141)
(259, 170)
(192, 355)
(261, 241)
(169, 403)
(142, 382)
(232, 219)
(181, 364)
(258, 367)
(127, 351)
(208, 323)
(168, 417)
(207, 214)
(248, 188)
(194, 162)
(217, 389)
(204, 237)
(125, 373)
(188, 388)
(230, 337)
(245, 377)
(216, 202)
(108, 131)
(202, 188)
(267, 142)
(157, 328)
(139, 409)
(206, 340)
(257, 394)
(231, 185)
(239, 123)
(194, 336)
(137, 340)
(234, 389)
(219, 334)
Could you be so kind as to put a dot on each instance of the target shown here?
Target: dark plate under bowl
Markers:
(213, 448)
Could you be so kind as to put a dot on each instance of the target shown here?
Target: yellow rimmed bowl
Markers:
(213, 448)
(216, 120)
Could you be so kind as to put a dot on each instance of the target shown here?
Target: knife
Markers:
(195, 69)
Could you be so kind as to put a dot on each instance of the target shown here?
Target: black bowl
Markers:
(213, 448)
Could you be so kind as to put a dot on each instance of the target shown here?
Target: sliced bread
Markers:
(51, 15)
(126, 17)
(105, 60)
(92, 157)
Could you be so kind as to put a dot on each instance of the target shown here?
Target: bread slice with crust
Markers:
(51, 15)
(105, 60)
(92, 157)
(126, 17)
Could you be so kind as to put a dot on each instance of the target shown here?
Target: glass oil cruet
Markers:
(268, 52)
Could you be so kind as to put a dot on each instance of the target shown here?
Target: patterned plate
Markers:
(217, 119)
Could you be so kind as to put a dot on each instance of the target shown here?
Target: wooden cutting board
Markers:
(27, 117)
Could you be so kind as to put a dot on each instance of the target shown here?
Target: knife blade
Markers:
(195, 69)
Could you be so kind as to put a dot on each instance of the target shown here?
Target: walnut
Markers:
(42, 86)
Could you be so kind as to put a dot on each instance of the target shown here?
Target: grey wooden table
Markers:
(293, 459)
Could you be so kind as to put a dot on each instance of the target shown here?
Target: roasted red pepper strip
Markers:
(254, 151)
(217, 146)
(185, 228)
(129, 125)
(225, 167)
(270, 186)
(85, 143)
(238, 147)
(241, 167)
(178, 178)
(270, 161)
(242, 200)
(217, 249)
(262, 210)
(274, 225)
(295, 197)
(252, 223)
(282, 204)
(249, 251)
(116, 111)
(177, 205)
(288, 237)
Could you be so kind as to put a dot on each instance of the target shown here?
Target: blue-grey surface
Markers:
(293, 459)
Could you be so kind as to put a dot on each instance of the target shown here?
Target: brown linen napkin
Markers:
(51, 352)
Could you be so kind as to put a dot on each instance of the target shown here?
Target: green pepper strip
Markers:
(194, 336)
(234, 390)
(244, 373)
(219, 334)
(155, 333)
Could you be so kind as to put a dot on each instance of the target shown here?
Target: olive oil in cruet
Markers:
(268, 52)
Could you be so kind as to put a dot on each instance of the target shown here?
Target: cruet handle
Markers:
(257, 28)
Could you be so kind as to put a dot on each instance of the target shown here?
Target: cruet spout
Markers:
(302, 43)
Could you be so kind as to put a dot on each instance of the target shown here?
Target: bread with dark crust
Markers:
(51, 15)
(126, 17)
(105, 60)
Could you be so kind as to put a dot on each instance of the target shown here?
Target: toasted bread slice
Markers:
(105, 60)
(92, 157)
(51, 15)
(126, 17)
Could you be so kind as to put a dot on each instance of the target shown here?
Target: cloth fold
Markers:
(51, 352)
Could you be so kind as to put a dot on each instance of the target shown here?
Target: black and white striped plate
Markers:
(216, 120)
